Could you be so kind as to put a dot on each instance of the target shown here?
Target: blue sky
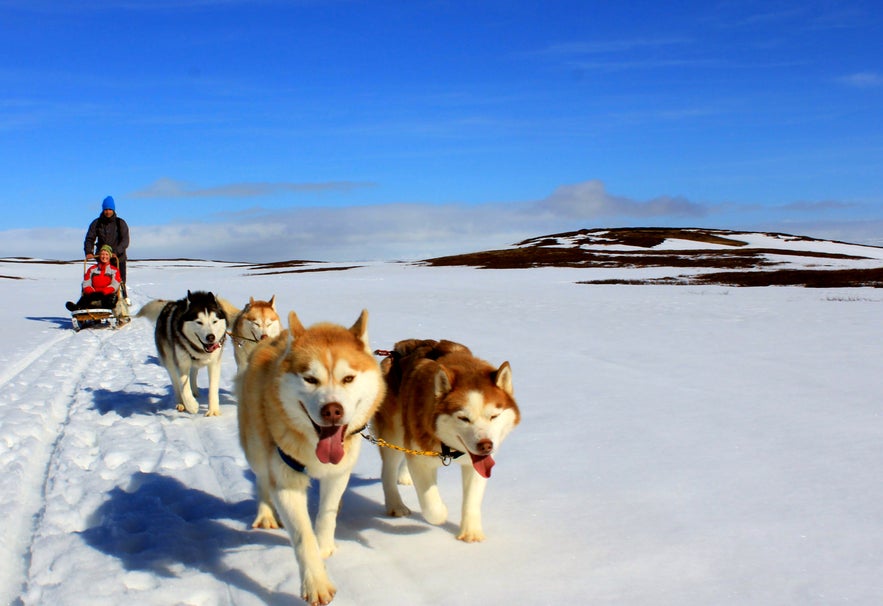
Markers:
(338, 130)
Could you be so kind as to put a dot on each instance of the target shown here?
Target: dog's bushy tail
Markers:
(231, 310)
(152, 309)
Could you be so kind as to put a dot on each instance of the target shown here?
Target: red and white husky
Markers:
(256, 322)
(441, 398)
(304, 397)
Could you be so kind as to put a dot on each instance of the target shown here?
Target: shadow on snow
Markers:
(60, 322)
(158, 525)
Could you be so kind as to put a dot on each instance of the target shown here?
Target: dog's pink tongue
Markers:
(330, 447)
(212, 347)
(482, 464)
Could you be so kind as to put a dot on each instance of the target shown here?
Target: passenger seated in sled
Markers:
(100, 284)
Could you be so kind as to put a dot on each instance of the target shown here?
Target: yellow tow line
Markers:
(445, 459)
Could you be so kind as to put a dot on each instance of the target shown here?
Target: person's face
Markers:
(108, 212)
(104, 256)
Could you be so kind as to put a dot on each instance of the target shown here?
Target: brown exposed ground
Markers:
(744, 266)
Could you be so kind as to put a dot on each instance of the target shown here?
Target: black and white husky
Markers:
(190, 334)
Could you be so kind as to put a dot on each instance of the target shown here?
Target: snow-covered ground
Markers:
(678, 446)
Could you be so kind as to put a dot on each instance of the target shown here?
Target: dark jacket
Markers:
(104, 230)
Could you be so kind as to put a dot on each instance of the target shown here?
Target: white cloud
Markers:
(863, 80)
(171, 188)
(418, 231)
(590, 200)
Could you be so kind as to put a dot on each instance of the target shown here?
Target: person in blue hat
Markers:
(109, 230)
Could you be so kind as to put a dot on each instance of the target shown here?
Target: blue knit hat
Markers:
(108, 203)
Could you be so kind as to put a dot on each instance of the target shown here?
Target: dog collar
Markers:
(291, 461)
(449, 452)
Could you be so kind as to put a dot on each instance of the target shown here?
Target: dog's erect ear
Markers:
(360, 330)
(251, 301)
(442, 381)
(272, 302)
(294, 325)
(503, 378)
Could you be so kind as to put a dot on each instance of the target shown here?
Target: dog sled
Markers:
(91, 312)
(100, 317)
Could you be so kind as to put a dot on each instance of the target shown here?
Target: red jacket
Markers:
(101, 278)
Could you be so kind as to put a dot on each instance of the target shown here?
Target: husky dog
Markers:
(190, 333)
(304, 396)
(257, 321)
(440, 398)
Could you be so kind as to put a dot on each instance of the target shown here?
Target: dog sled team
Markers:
(306, 397)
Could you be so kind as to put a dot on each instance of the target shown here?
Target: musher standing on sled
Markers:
(109, 229)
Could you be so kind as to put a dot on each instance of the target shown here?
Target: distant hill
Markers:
(696, 256)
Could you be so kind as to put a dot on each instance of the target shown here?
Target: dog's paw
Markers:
(398, 511)
(265, 518)
(213, 412)
(192, 409)
(471, 535)
(317, 589)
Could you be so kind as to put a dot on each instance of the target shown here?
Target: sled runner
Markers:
(101, 317)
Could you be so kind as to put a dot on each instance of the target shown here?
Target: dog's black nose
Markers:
(332, 413)
(485, 446)
(210, 339)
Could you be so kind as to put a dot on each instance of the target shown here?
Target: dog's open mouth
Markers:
(481, 463)
(210, 347)
(330, 446)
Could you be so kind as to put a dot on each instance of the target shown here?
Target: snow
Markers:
(678, 446)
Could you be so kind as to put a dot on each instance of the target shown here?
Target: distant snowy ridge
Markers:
(739, 257)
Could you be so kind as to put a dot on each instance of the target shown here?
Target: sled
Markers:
(100, 317)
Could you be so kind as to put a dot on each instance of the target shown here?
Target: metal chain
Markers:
(445, 459)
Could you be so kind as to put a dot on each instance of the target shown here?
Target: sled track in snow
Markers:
(48, 377)
(19, 365)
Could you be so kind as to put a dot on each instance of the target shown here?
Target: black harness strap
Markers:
(291, 461)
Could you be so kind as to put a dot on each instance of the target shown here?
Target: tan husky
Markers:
(303, 399)
(254, 323)
(441, 398)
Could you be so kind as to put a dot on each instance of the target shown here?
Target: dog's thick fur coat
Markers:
(441, 398)
(190, 333)
(304, 396)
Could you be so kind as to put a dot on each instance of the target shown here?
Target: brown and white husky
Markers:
(441, 398)
(304, 397)
(257, 321)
